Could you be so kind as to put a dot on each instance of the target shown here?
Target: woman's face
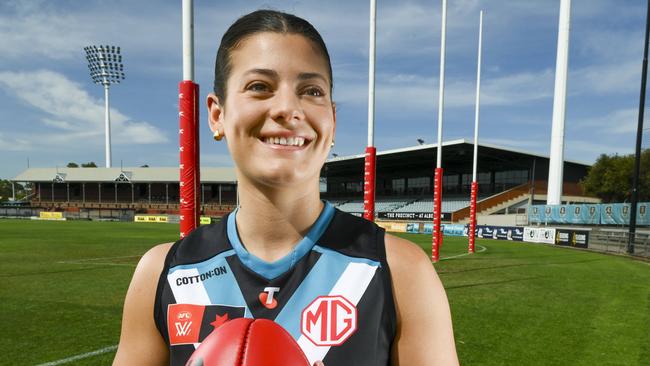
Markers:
(278, 118)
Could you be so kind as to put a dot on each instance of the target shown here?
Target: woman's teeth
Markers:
(289, 141)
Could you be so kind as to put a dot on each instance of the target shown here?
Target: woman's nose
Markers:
(286, 107)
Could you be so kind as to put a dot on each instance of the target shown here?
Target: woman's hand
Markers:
(319, 363)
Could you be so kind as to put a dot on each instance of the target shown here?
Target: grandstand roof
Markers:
(133, 175)
(456, 157)
(450, 143)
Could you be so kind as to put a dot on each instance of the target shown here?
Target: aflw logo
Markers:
(183, 329)
(329, 320)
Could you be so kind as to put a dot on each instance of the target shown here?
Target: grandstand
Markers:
(121, 192)
(509, 180)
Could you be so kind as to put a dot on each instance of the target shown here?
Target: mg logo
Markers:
(329, 320)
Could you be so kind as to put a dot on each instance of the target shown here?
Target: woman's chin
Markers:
(284, 181)
(280, 178)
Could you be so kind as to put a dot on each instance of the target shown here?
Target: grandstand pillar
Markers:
(492, 188)
(132, 194)
(149, 191)
(67, 191)
(100, 192)
(202, 193)
(83, 192)
(115, 192)
(39, 192)
(52, 195)
(167, 193)
(532, 184)
(219, 194)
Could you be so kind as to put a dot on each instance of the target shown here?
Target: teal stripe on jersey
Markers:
(320, 281)
(340, 256)
(274, 269)
(222, 289)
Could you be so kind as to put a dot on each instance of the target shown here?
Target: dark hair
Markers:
(257, 22)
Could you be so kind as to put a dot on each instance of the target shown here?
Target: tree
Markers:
(89, 165)
(72, 165)
(610, 178)
(6, 192)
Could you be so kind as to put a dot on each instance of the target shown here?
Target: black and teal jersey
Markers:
(332, 292)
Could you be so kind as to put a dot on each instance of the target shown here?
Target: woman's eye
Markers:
(314, 92)
(258, 87)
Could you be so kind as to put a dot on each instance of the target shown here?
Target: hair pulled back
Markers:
(257, 22)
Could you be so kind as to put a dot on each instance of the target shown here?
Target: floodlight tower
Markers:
(105, 65)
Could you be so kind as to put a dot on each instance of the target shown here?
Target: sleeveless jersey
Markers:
(332, 292)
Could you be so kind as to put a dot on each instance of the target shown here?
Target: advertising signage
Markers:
(420, 216)
(573, 238)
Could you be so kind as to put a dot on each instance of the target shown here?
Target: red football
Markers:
(248, 342)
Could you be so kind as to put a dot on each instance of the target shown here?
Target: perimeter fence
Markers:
(616, 241)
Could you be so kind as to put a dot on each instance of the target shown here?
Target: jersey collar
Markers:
(271, 270)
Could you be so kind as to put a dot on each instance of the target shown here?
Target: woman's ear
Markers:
(215, 112)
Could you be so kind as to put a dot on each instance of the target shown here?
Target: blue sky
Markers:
(51, 112)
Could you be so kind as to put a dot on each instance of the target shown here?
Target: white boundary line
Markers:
(464, 254)
(80, 357)
(101, 264)
(91, 261)
(101, 258)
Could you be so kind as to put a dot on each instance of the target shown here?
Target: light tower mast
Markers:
(106, 68)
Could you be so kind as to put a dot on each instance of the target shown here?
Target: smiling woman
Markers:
(273, 99)
(283, 254)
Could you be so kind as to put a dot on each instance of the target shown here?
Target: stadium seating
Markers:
(404, 205)
(426, 205)
(351, 206)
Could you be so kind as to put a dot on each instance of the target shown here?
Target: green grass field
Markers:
(63, 284)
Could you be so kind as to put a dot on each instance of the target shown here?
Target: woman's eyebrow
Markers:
(311, 75)
(274, 74)
(266, 72)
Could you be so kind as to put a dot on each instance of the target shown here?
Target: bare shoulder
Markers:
(424, 328)
(154, 258)
(140, 341)
(145, 277)
(403, 253)
(412, 273)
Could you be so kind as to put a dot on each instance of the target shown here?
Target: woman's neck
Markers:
(271, 222)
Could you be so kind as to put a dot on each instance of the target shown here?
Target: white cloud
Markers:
(38, 32)
(621, 77)
(14, 144)
(618, 122)
(416, 91)
(511, 89)
(71, 112)
(590, 150)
